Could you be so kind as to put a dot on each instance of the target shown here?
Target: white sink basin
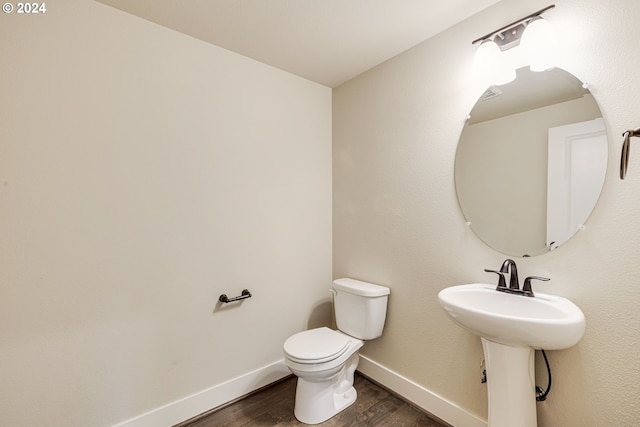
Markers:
(541, 322)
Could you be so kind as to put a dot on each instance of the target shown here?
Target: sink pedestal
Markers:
(511, 385)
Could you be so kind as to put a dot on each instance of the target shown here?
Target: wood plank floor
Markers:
(273, 406)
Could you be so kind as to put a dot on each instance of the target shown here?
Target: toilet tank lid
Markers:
(358, 287)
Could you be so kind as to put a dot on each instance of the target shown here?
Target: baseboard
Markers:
(198, 403)
(421, 397)
(218, 395)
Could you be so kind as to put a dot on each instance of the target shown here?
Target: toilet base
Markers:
(317, 401)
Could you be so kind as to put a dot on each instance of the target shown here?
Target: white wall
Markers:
(142, 174)
(397, 220)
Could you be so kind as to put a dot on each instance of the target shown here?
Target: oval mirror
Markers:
(531, 162)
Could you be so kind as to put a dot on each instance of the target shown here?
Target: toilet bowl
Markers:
(325, 374)
(325, 360)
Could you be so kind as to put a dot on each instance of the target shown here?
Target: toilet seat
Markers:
(314, 346)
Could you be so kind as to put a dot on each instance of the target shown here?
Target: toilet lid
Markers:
(316, 345)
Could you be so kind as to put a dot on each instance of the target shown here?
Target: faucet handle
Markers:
(526, 288)
(502, 283)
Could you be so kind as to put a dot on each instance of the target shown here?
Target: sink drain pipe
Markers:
(541, 394)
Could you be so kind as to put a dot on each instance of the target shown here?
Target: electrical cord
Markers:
(541, 395)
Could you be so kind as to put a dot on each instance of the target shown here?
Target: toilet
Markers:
(325, 360)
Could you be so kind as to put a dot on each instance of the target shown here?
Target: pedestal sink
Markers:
(511, 327)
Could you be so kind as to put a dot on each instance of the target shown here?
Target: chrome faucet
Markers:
(509, 265)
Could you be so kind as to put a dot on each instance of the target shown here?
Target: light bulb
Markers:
(490, 67)
(538, 45)
(487, 54)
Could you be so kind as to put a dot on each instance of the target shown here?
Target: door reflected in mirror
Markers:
(531, 162)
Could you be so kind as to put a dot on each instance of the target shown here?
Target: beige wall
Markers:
(142, 174)
(397, 220)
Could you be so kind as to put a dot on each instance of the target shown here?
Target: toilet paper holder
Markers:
(225, 299)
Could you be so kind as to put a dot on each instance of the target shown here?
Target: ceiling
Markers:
(326, 41)
(530, 90)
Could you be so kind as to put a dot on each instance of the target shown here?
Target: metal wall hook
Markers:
(225, 299)
(626, 146)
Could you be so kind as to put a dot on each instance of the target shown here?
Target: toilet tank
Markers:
(360, 308)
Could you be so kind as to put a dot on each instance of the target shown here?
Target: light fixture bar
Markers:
(513, 24)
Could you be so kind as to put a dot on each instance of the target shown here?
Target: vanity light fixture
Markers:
(533, 32)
